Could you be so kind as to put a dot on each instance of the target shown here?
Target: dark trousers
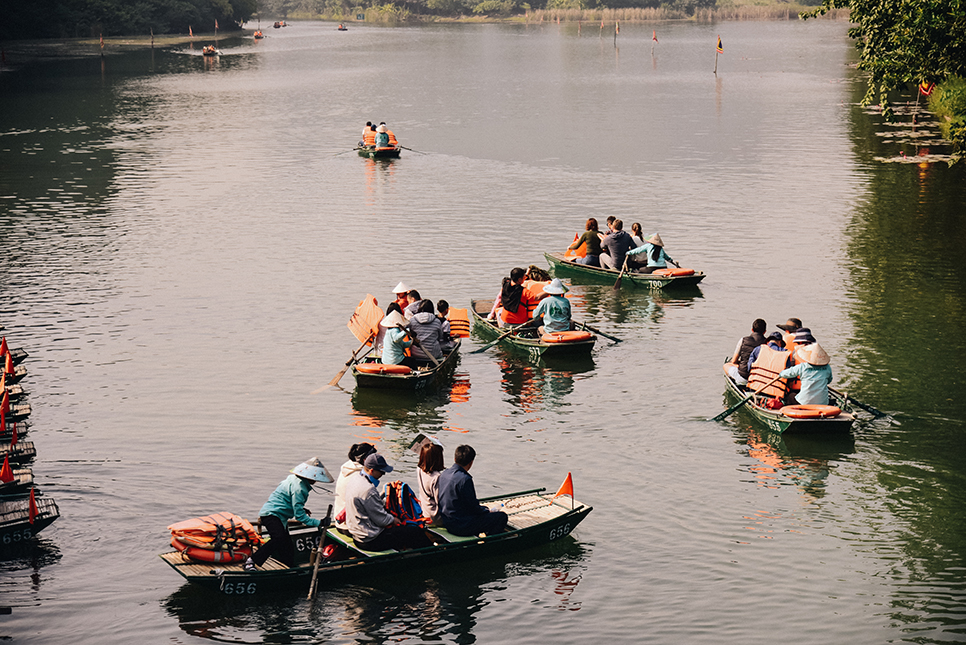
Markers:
(640, 267)
(279, 546)
(489, 523)
(398, 537)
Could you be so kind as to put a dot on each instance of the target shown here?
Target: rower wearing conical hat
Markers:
(815, 373)
(650, 256)
(286, 503)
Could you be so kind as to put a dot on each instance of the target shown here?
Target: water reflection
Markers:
(21, 562)
(802, 461)
(436, 603)
(537, 387)
(632, 305)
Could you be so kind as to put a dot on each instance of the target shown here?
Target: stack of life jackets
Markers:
(219, 537)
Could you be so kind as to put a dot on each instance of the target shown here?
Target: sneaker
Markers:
(249, 565)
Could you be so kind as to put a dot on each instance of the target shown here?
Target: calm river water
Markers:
(182, 241)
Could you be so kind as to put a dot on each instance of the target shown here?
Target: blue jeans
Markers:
(590, 260)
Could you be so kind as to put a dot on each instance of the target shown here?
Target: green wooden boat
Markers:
(535, 518)
(567, 266)
(371, 152)
(418, 380)
(775, 421)
(527, 339)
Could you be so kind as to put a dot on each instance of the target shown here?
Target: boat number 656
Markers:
(559, 531)
(238, 588)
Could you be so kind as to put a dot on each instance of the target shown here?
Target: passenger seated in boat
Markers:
(815, 374)
(392, 138)
(654, 256)
(428, 331)
(357, 455)
(285, 503)
(371, 526)
(365, 131)
(615, 246)
(369, 138)
(413, 300)
(396, 341)
(764, 364)
(637, 236)
(590, 240)
(401, 292)
(553, 311)
(427, 480)
(382, 138)
(459, 509)
(738, 366)
(513, 304)
(442, 310)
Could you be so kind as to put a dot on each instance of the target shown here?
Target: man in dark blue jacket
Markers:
(459, 509)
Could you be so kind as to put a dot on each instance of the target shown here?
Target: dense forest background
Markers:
(27, 19)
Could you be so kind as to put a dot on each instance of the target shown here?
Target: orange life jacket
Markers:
(766, 367)
(459, 322)
(392, 139)
(789, 337)
(370, 138)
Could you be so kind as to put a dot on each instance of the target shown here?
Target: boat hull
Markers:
(385, 153)
(534, 347)
(415, 381)
(525, 533)
(600, 274)
(15, 525)
(775, 421)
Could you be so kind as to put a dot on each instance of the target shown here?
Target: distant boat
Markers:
(259, 35)
(343, 28)
(209, 50)
(373, 152)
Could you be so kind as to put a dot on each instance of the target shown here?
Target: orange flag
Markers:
(567, 488)
(8, 364)
(33, 507)
(5, 402)
(654, 35)
(6, 473)
(189, 32)
(4, 350)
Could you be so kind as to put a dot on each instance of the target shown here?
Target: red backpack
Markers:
(401, 502)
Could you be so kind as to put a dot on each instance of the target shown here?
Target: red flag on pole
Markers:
(6, 473)
(654, 35)
(4, 350)
(567, 488)
(33, 507)
(5, 402)
(924, 88)
(8, 365)
(720, 48)
(216, 24)
(102, 41)
(189, 32)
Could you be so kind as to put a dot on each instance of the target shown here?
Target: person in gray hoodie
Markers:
(428, 330)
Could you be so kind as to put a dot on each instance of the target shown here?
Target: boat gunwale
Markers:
(414, 378)
(554, 349)
(649, 279)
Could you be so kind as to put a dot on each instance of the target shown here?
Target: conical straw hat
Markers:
(814, 354)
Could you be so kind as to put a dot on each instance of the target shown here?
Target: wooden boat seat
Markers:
(351, 544)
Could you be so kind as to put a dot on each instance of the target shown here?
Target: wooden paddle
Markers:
(868, 408)
(617, 285)
(338, 377)
(599, 332)
(318, 550)
(411, 150)
(728, 412)
(492, 343)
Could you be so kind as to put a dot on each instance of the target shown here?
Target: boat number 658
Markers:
(559, 531)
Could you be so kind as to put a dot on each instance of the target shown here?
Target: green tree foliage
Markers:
(905, 41)
(24, 19)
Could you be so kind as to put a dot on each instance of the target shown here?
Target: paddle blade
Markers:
(364, 322)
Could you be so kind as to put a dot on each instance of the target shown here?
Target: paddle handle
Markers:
(318, 550)
(620, 276)
(600, 333)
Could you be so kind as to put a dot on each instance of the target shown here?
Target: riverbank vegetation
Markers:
(910, 44)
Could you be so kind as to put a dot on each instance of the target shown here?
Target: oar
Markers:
(318, 550)
(417, 344)
(728, 412)
(346, 151)
(617, 285)
(338, 377)
(411, 150)
(600, 333)
(492, 343)
(868, 408)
